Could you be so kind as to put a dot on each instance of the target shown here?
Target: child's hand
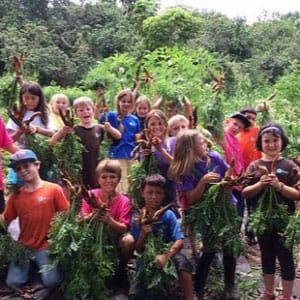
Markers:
(160, 260)
(264, 180)
(156, 142)
(146, 229)
(210, 177)
(274, 181)
(66, 129)
(106, 126)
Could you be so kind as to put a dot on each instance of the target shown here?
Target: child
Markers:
(192, 172)
(35, 204)
(6, 143)
(124, 121)
(162, 147)
(31, 100)
(118, 216)
(58, 102)
(232, 151)
(153, 189)
(176, 124)
(91, 136)
(271, 140)
(142, 108)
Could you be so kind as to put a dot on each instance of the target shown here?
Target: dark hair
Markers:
(248, 109)
(276, 130)
(154, 180)
(35, 89)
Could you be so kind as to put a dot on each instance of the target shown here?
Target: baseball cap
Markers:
(241, 117)
(21, 156)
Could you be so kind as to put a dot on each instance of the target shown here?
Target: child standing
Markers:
(271, 140)
(153, 189)
(142, 108)
(193, 170)
(124, 121)
(91, 136)
(118, 216)
(35, 204)
(58, 102)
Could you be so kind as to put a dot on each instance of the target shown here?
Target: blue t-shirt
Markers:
(122, 148)
(167, 223)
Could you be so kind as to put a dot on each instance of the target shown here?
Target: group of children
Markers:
(187, 167)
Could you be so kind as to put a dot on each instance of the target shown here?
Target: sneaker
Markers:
(265, 295)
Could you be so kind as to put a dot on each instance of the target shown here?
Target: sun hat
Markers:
(23, 155)
(241, 117)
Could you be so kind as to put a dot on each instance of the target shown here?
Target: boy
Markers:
(153, 190)
(35, 203)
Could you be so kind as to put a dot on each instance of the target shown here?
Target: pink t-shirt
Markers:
(5, 140)
(232, 149)
(119, 207)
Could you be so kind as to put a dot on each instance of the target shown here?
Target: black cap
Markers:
(241, 117)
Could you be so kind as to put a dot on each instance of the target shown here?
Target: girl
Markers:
(58, 102)
(123, 120)
(91, 136)
(32, 100)
(142, 108)
(271, 140)
(191, 170)
(162, 147)
(176, 124)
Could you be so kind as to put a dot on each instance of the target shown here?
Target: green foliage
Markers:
(83, 250)
(156, 281)
(292, 230)
(216, 219)
(8, 91)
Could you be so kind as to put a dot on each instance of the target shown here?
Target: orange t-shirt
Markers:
(35, 211)
(247, 138)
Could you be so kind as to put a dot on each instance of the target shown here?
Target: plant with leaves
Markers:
(216, 219)
(156, 281)
(292, 231)
(84, 251)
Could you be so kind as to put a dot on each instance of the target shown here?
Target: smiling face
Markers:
(178, 127)
(85, 113)
(271, 145)
(108, 182)
(157, 127)
(153, 196)
(60, 103)
(142, 109)
(234, 126)
(27, 171)
(126, 104)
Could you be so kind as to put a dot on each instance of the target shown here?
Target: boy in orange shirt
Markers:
(35, 203)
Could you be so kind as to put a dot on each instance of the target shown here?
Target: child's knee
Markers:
(51, 279)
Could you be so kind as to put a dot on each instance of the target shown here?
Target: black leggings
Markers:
(270, 248)
(2, 201)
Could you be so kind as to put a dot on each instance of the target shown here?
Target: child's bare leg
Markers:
(186, 284)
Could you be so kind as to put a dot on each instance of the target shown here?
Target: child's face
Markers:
(153, 196)
(156, 127)
(30, 101)
(85, 113)
(125, 105)
(200, 147)
(27, 171)
(251, 117)
(178, 127)
(108, 181)
(271, 145)
(142, 109)
(60, 103)
(170, 111)
(234, 126)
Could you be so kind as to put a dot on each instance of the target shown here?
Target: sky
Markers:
(250, 9)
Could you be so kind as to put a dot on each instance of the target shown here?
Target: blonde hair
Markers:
(184, 154)
(110, 166)
(157, 113)
(56, 97)
(177, 118)
(143, 99)
(83, 101)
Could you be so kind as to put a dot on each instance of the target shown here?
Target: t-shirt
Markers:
(189, 181)
(35, 211)
(167, 224)
(119, 207)
(247, 139)
(5, 140)
(122, 148)
(91, 139)
(285, 170)
(37, 121)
